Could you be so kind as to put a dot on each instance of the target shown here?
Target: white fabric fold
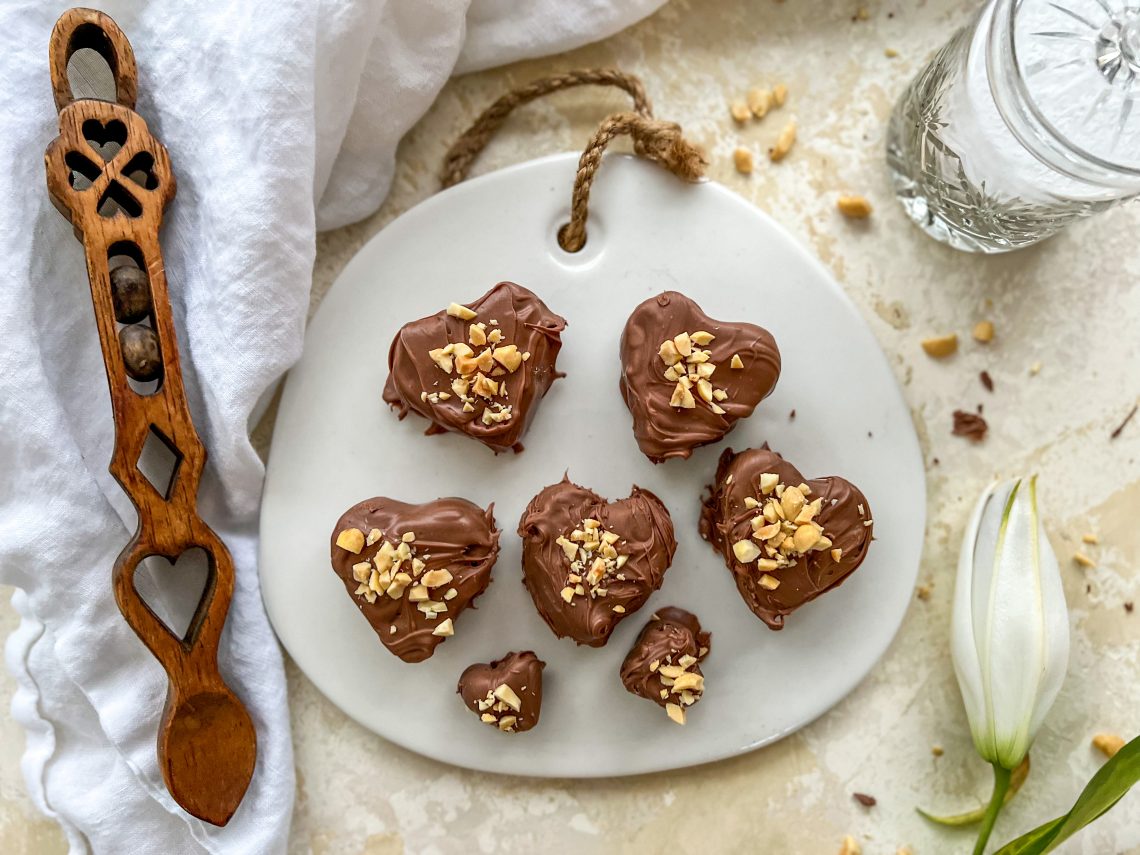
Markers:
(281, 117)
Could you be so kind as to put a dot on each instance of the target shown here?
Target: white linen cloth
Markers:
(281, 118)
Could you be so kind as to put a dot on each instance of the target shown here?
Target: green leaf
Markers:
(971, 817)
(1107, 787)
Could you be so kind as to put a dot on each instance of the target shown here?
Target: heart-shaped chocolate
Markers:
(478, 370)
(589, 563)
(786, 540)
(664, 664)
(412, 569)
(688, 379)
(505, 693)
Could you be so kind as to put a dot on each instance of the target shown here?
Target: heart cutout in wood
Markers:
(174, 589)
(786, 540)
(413, 569)
(105, 139)
(664, 664)
(479, 370)
(688, 379)
(588, 563)
(507, 693)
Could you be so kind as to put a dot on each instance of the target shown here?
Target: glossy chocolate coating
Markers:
(646, 535)
(451, 534)
(662, 430)
(669, 635)
(521, 671)
(525, 322)
(725, 519)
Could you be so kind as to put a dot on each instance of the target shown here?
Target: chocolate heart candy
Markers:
(786, 540)
(479, 370)
(412, 569)
(505, 693)
(664, 664)
(589, 563)
(688, 379)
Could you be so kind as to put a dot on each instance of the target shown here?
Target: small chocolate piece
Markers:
(141, 356)
(478, 370)
(786, 540)
(688, 379)
(506, 693)
(664, 663)
(130, 294)
(970, 425)
(412, 569)
(589, 563)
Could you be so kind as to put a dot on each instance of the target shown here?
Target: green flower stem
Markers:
(1001, 784)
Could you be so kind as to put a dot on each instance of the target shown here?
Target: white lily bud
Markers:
(1010, 633)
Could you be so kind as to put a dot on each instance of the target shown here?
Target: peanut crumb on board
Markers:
(940, 346)
(854, 207)
(1083, 560)
(1107, 743)
(742, 160)
(784, 143)
(983, 332)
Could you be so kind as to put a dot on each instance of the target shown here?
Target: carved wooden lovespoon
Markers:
(206, 744)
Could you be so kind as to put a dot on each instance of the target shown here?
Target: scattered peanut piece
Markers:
(983, 332)
(890, 53)
(937, 750)
(940, 346)
(1107, 743)
(1034, 369)
(736, 362)
(923, 592)
(742, 159)
(862, 14)
(779, 94)
(784, 143)
(854, 207)
(759, 102)
(1090, 538)
(1083, 560)
(739, 112)
(850, 846)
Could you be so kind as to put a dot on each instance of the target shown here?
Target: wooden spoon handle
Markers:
(112, 180)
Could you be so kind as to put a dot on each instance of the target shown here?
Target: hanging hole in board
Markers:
(90, 72)
(584, 256)
(174, 591)
(158, 462)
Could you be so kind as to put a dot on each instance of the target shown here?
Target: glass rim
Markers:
(1022, 90)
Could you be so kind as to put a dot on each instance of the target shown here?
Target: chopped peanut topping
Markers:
(592, 552)
(461, 312)
(351, 539)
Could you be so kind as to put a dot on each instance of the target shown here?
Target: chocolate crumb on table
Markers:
(969, 425)
(987, 381)
(1120, 427)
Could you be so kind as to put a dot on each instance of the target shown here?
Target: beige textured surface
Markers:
(1071, 305)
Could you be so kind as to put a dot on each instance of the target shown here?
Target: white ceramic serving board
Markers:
(336, 444)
